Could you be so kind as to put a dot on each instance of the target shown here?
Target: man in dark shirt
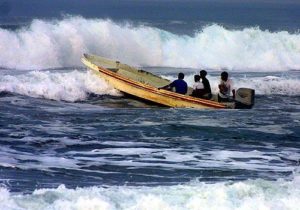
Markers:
(180, 85)
(207, 90)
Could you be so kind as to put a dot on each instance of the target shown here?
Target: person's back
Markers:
(180, 85)
(207, 90)
(206, 85)
(225, 88)
(198, 87)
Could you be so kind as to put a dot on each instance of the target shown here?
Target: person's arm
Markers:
(164, 87)
(167, 87)
(232, 89)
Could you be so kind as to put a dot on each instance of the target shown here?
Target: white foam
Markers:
(271, 85)
(263, 85)
(67, 86)
(38, 162)
(272, 129)
(178, 159)
(60, 43)
(247, 195)
(135, 155)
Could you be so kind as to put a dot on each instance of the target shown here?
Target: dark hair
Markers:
(180, 75)
(197, 78)
(203, 73)
(224, 75)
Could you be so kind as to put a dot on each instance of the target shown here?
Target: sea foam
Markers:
(76, 85)
(61, 43)
(263, 85)
(257, 194)
(69, 86)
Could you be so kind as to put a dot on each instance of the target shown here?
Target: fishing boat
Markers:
(145, 85)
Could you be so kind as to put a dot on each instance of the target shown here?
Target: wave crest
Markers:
(68, 86)
(257, 194)
(49, 44)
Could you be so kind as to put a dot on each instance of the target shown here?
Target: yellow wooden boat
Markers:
(144, 85)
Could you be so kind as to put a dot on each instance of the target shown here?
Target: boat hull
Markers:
(110, 72)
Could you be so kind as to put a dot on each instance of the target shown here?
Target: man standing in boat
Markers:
(180, 85)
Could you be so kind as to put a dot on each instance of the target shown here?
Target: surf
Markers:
(60, 43)
(257, 194)
(76, 85)
(68, 86)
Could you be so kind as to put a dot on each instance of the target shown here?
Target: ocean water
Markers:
(68, 140)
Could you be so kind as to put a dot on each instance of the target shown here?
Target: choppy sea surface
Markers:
(68, 140)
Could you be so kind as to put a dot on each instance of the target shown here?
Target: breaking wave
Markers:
(257, 194)
(263, 85)
(69, 86)
(76, 85)
(61, 43)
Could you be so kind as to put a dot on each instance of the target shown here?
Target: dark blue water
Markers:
(95, 143)
(68, 140)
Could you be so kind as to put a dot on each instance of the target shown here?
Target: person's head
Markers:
(197, 78)
(203, 73)
(180, 76)
(224, 76)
